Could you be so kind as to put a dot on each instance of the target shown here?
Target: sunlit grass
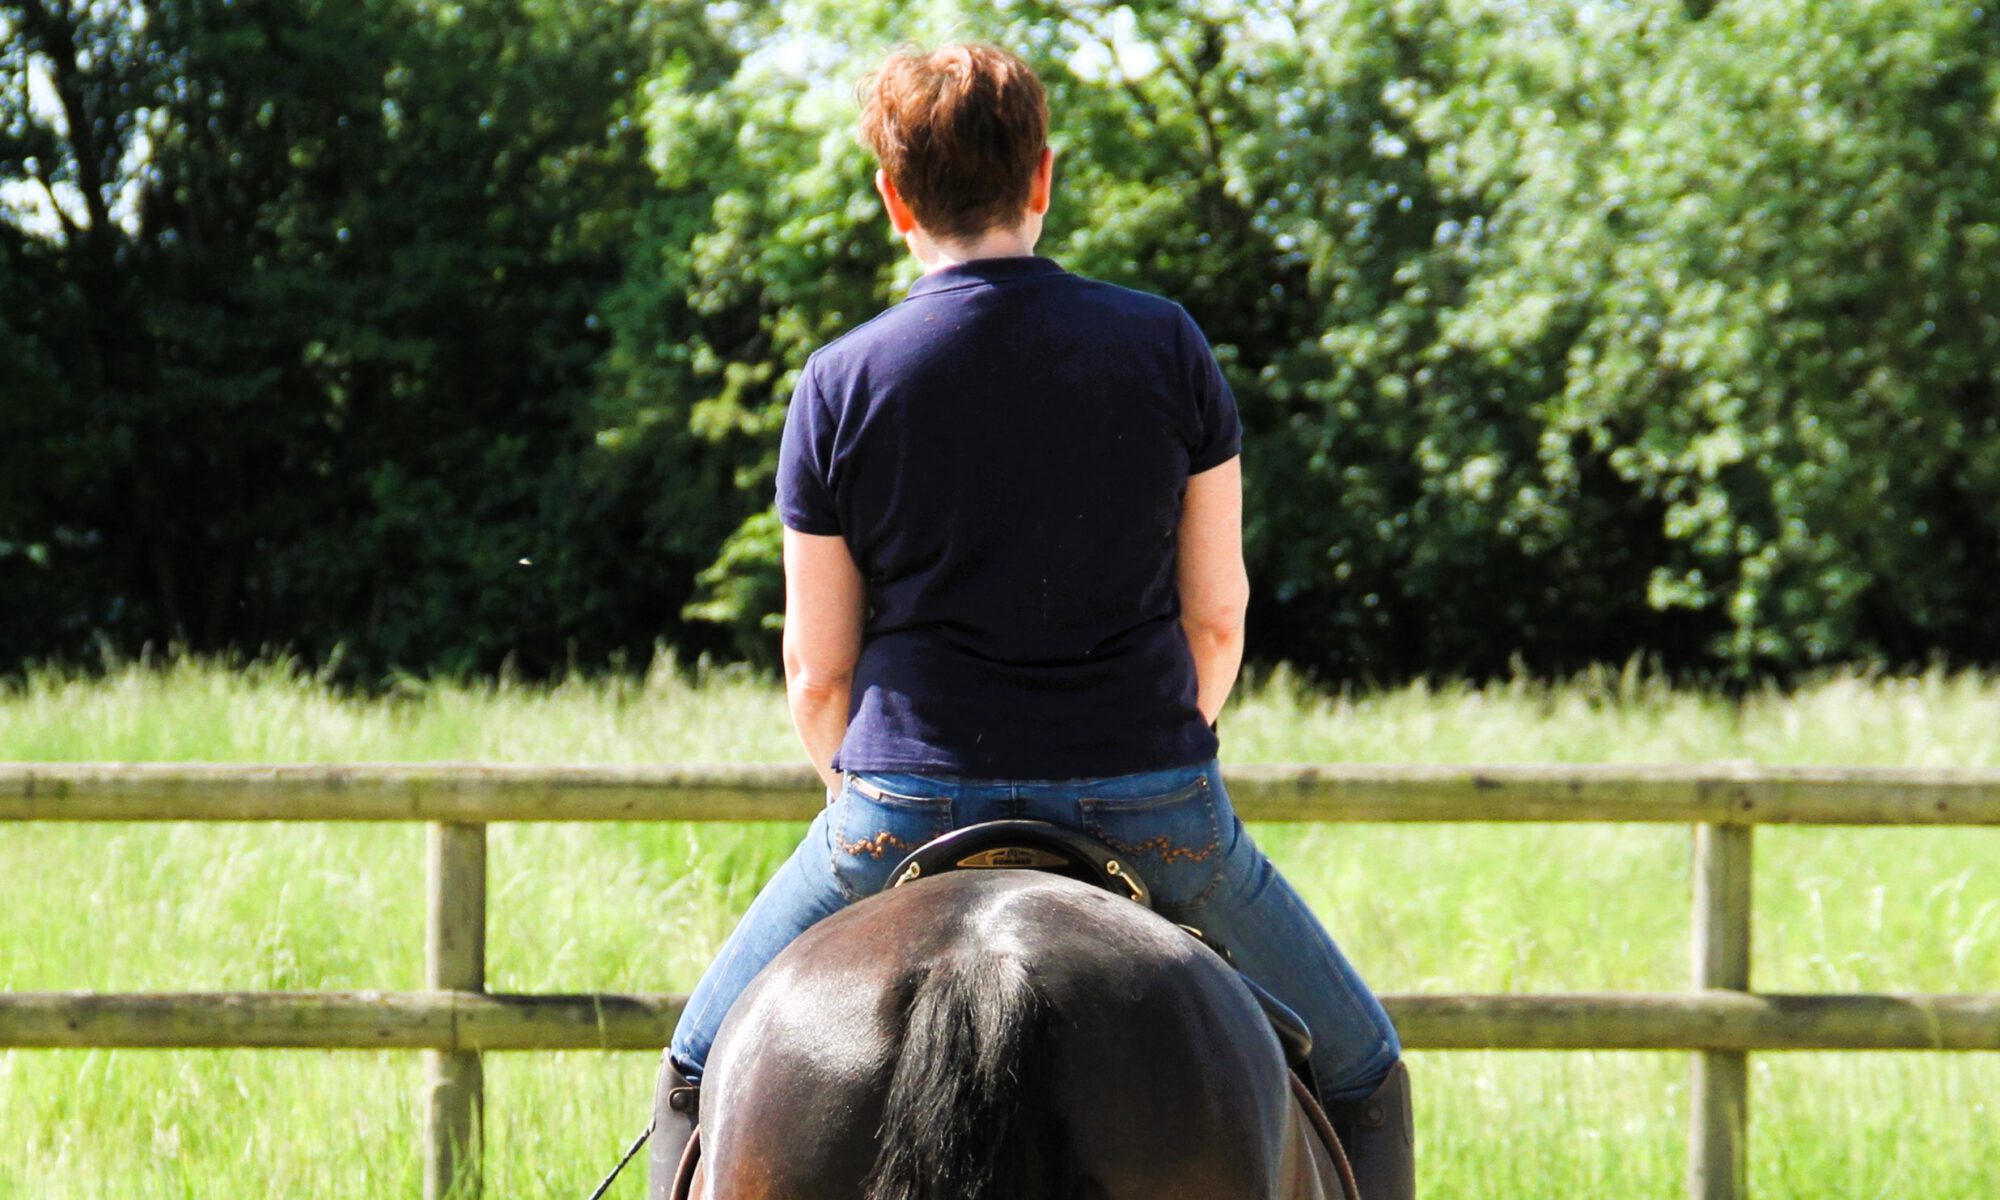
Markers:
(1445, 908)
(272, 710)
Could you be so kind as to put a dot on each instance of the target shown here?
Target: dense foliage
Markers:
(310, 355)
(1564, 331)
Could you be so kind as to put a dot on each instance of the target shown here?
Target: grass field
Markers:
(641, 907)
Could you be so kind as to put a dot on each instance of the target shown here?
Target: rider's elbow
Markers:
(816, 675)
(1217, 613)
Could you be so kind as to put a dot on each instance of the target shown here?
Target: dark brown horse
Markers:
(1003, 1035)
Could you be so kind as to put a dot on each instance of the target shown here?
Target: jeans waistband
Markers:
(877, 784)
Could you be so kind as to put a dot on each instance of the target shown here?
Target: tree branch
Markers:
(57, 38)
(70, 232)
(1191, 78)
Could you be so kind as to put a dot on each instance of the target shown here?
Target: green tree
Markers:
(1764, 259)
(1562, 331)
(325, 326)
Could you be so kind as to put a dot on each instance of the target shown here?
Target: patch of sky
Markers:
(1113, 50)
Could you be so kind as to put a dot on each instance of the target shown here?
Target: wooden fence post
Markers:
(1719, 1113)
(454, 960)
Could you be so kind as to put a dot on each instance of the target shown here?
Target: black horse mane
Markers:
(955, 1125)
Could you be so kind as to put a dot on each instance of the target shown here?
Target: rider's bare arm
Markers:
(1214, 587)
(823, 611)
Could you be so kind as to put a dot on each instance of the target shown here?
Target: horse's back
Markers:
(1001, 1033)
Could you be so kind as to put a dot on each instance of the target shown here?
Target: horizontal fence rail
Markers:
(486, 792)
(467, 1022)
(455, 1021)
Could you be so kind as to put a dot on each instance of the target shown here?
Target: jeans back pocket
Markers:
(873, 833)
(1173, 840)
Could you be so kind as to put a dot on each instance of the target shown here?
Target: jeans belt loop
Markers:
(863, 786)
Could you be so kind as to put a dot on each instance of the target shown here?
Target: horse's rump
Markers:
(1000, 1034)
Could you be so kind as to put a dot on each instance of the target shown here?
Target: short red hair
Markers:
(959, 131)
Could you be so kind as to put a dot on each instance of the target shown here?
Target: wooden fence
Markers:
(455, 1020)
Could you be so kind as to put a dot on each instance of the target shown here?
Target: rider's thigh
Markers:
(799, 896)
(871, 834)
(1277, 941)
(1168, 825)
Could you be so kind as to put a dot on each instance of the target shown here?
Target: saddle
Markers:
(1044, 846)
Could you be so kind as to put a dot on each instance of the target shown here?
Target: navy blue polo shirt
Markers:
(1005, 452)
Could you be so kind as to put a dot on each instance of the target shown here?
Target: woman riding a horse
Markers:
(1014, 588)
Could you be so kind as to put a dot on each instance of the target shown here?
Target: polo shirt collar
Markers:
(983, 270)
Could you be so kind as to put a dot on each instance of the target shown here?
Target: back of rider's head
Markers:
(961, 133)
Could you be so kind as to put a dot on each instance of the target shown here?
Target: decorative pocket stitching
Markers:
(1094, 807)
(883, 843)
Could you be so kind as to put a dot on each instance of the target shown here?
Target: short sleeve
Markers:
(1218, 431)
(805, 460)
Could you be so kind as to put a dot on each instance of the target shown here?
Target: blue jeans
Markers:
(1175, 826)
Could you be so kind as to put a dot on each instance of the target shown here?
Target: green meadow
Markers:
(1444, 908)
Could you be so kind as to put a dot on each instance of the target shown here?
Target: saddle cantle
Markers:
(1033, 845)
(1044, 846)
